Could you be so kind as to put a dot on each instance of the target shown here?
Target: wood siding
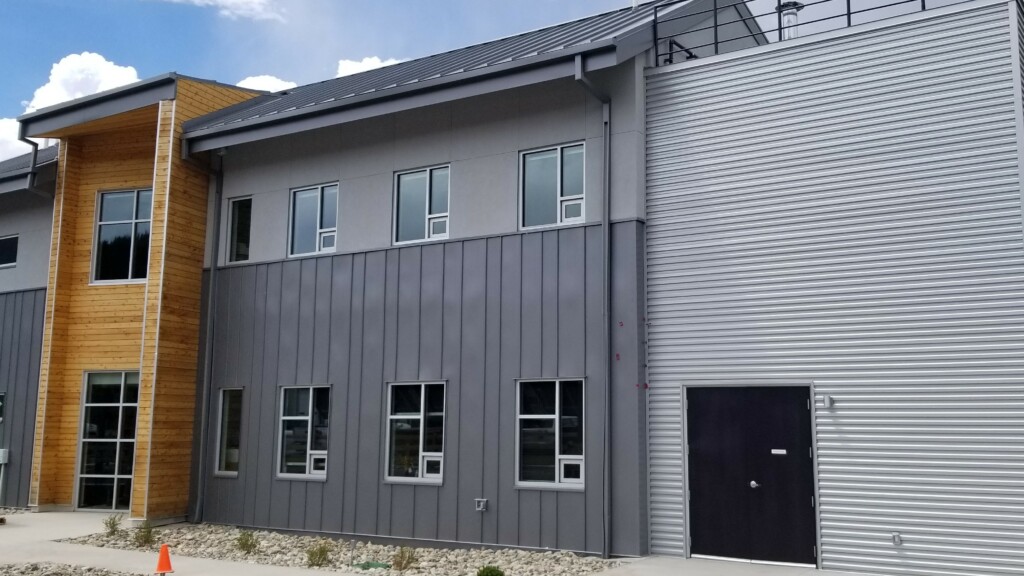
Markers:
(150, 326)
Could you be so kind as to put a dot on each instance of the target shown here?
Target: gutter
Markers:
(211, 314)
(606, 289)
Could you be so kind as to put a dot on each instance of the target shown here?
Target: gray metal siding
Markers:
(31, 218)
(476, 313)
(845, 212)
(21, 337)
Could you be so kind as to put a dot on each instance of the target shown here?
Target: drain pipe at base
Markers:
(606, 113)
(211, 313)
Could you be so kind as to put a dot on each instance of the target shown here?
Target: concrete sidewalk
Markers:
(665, 566)
(30, 538)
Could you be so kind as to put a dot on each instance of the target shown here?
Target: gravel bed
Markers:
(12, 511)
(47, 569)
(220, 542)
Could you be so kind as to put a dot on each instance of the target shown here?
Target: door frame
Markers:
(760, 383)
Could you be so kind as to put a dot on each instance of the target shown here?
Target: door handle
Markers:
(754, 484)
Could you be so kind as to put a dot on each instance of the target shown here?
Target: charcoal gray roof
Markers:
(19, 165)
(591, 33)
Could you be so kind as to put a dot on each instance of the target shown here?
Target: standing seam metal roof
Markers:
(574, 34)
(19, 165)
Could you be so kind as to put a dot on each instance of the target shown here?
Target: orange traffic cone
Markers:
(163, 564)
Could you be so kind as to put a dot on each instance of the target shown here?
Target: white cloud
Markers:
(266, 82)
(76, 75)
(234, 9)
(346, 67)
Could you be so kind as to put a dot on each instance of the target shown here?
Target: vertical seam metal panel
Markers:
(849, 212)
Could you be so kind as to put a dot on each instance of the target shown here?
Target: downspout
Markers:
(30, 181)
(606, 289)
(211, 314)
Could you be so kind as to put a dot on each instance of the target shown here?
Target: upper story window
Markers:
(549, 433)
(552, 186)
(305, 427)
(415, 445)
(314, 227)
(8, 251)
(122, 235)
(421, 205)
(238, 230)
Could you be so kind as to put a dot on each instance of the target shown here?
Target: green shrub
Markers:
(403, 559)
(490, 571)
(318, 555)
(247, 541)
(112, 524)
(144, 536)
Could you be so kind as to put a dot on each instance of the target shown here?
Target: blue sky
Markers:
(298, 41)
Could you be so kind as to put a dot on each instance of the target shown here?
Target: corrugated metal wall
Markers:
(478, 314)
(847, 212)
(21, 338)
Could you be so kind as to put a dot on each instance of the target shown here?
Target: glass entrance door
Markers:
(107, 456)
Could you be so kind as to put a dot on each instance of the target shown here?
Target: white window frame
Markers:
(220, 434)
(581, 199)
(15, 263)
(423, 478)
(310, 453)
(560, 482)
(229, 247)
(133, 222)
(428, 217)
(321, 233)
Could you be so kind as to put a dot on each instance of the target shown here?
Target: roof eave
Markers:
(535, 69)
(100, 105)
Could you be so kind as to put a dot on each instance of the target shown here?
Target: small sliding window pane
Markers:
(241, 225)
(230, 430)
(329, 207)
(415, 447)
(572, 171)
(8, 251)
(439, 191)
(537, 450)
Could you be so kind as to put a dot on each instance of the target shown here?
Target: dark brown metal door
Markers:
(751, 473)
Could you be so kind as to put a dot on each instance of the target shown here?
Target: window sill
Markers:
(225, 474)
(423, 241)
(304, 255)
(541, 227)
(137, 281)
(414, 481)
(7, 266)
(302, 477)
(550, 486)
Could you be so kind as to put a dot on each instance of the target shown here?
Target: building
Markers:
(655, 281)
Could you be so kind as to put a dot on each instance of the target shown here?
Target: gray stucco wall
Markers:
(480, 137)
(21, 335)
(477, 313)
(30, 217)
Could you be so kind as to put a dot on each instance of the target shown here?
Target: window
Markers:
(552, 186)
(415, 432)
(314, 219)
(241, 222)
(107, 452)
(305, 423)
(122, 235)
(549, 432)
(421, 205)
(8, 251)
(230, 431)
